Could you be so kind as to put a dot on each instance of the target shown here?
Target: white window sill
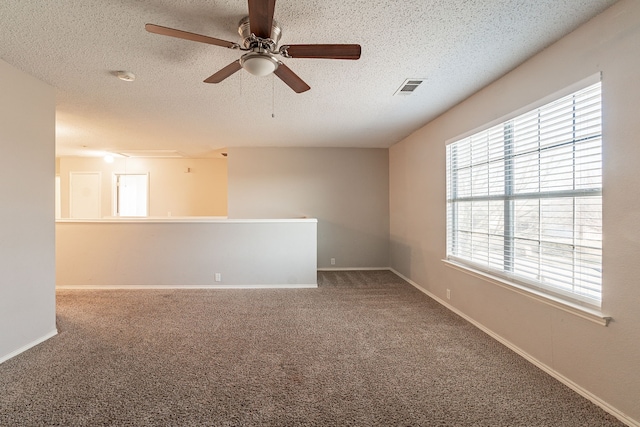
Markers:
(573, 308)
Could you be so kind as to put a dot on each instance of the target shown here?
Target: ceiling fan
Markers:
(260, 34)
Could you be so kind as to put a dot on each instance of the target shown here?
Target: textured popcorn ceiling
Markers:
(458, 46)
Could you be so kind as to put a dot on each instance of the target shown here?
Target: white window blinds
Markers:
(524, 198)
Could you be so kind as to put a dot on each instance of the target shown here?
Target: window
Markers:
(524, 198)
(131, 194)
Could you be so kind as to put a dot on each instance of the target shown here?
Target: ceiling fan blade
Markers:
(291, 79)
(224, 73)
(261, 17)
(323, 51)
(171, 32)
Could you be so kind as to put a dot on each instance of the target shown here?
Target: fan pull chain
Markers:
(273, 96)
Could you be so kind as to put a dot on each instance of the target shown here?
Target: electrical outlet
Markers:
(448, 293)
(218, 277)
(333, 261)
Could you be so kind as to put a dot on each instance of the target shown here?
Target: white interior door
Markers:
(85, 195)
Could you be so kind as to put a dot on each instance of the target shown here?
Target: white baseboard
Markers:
(566, 381)
(249, 286)
(355, 269)
(286, 286)
(28, 346)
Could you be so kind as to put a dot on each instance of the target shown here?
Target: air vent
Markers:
(409, 86)
(157, 154)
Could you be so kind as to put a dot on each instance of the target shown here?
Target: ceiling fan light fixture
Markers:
(258, 63)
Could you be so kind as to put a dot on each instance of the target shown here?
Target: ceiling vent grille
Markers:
(408, 86)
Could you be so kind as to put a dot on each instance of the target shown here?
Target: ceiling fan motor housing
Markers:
(249, 41)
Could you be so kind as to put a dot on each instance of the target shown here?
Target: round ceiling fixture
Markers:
(126, 76)
(259, 63)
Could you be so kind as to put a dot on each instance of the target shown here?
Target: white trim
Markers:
(276, 286)
(355, 269)
(555, 374)
(586, 82)
(584, 312)
(143, 287)
(194, 219)
(28, 346)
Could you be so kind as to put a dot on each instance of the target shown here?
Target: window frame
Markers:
(115, 193)
(535, 289)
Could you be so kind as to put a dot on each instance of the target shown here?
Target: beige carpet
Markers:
(364, 349)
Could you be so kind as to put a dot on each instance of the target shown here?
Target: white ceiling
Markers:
(458, 46)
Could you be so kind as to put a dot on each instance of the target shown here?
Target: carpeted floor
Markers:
(364, 349)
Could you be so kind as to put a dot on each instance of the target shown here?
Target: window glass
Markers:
(524, 198)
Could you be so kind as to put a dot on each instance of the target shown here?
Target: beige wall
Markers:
(27, 237)
(182, 253)
(346, 189)
(604, 361)
(200, 192)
